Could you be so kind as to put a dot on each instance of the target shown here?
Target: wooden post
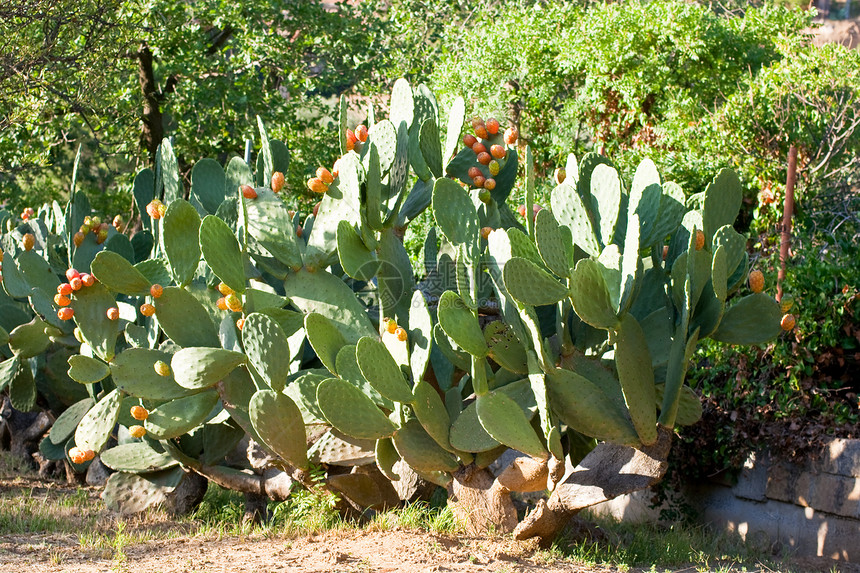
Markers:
(787, 212)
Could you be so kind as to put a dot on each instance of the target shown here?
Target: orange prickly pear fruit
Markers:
(77, 455)
(137, 431)
(493, 126)
(113, 313)
(484, 158)
(325, 176)
(485, 232)
(147, 309)
(72, 273)
(224, 289)
(481, 131)
(153, 209)
(78, 238)
(474, 172)
(29, 241)
(77, 283)
(162, 368)
(511, 135)
(788, 322)
(240, 324)
(700, 240)
(361, 133)
(64, 289)
(469, 140)
(139, 413)
(221, 303)
(478, 182)
(756, 280)
(248, 192)
(88, 280)
(278, 181)
(156, 290)
(391, 325)
(479, 148)
(233, 302)
(316, 208)
(299, 232)
(498, 151)
(560, 175)
(476, 121)
(490, 184)
(351, 140)
(62, 300)
(317, 185)
(522, 211)
(65, 313)
(401, 334)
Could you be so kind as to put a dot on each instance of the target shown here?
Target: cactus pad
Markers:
(136, 457)
(174, 418)
(350, 411)
(221, 252)
(278, 421)
(197, 368)
(97, 424)
(381, 370)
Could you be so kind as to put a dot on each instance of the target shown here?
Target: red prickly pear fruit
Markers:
(788, 322)
(113, 313)
(493, 126)
(278, 181)
(485, 232)
(391, 325)
(162, 368)
(401, 334)
(137, 431)
(224, 289)
(88, 280)
(511, 135)
(78, 238)
(76, 283)
(476, 121)
(233, 302)
(248, 192)
(88, 455)
(139, 413)
(361, 133)
(29, 241)
(72, 274)
(481, 131)
(490, 184)
(317, 185)
(117, 222)
(316, 208)
(77, 455)
(522, 211)
(485, 196)
(147, 309)
(665, 251)
(325, 175)
(498, 151)
(560, 175)
(756, 280)
(240, 324)
(484, 158)
(153, 209)
(700, 240)
(156, 290)
(351, 140)
(62, 300)
(469, 140)
(221, 303)
(65, 313)
(479, 148)
(299, 232)
(478, 182)
(64, 289)
(474, 172)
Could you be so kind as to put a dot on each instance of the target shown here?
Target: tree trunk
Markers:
(153, 127)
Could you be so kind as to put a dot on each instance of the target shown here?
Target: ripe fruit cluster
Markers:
(95, 226)
(354, 139)
(392, 328)
(156, 209)
(77, 281)
(28, 213)
(320, 183)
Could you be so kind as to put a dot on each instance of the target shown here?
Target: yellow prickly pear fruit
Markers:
(401, 334)
(162, 368)
(788, 322)
(278, 181)
(139, 413)
(137, 431)
(756, 280)
(786, 303)
(29, 241)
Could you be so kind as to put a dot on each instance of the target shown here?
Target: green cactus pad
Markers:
(676, 367)
(184, 320)
(97, 424)
(168, 166)
(553, 246)
(454, 212)
(37, 272)
(590, 295)
(222, 253)
(350, 411)
(431, 147)
(658, 325)
(468, 435)
(645, 194)
(416, 158)
(116, 273)
(505, 348)
(8, 371)
(421, 451)
(734, 244)
(279, 423)
(456, 117)
(137, 458)
(326, 294)
(155, 271)
(143, 189)
(521, 246)
(754, 319)
(87, 370)
(14, 283)
(90, 305)
(461, 325)
(267, 348)
(342, 202)
(605, 201)
(198, 368)
(719, 274)
(420, 335)
(357, 260)
(402, 104)
(689, 405)
(455, 356)
(381, 370)
(129, 493)
(179, 240)
(504, 420)
(633, 362)
(723, 198)
(672, 209)
(571, 212)
(133, 373)
(348, 369)
(373, 188)
(269, 222)
(386, 457)
(339, 449)
(209, 184)
(631, 264)
(580, 404)
(325, 338)
(65, 425)
(121, 245)
(528, 284)
(431, 412)
(174, 418)
(29, 340)
(257, 300)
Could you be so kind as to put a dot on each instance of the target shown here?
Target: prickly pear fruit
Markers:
(469, 140)
(786, 303)
(76, 283)
(478, 182)
(88, 280)
(476, 121)
(401, 334)
(391, 325)
(77, 455)
(316, 208)
(78, 238)
(756, 280)
(490, 184)
(147, 309)
(787, 323)
(96, 222)
(479, 148)
(494, 167)
(325, 175)
(560, 175)
(485, 232)
(233, 302)
(65, 313)
(511, 135)
(117, 222)
(224, 289)
(156, 290)
(101, 236)
(278, 181)
(484, 158)
(481, 131)
(154, 209)
(137, 431)
(351, 140)
(317, 185)
(72, 273)
(361, 133)
(139, 413)
(112, 313)
(240, 324)
(29, 241)
(474, 172)
(62, 300)
(485, 196)
(162, 368)
(299, 232)
(493, 125)
(248, 192)
(498, 151)
(700, 240)
(221, 303)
